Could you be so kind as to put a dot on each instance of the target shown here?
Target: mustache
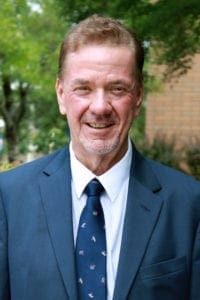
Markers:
(100, 118)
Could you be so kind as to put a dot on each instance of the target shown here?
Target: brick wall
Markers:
(175, 110)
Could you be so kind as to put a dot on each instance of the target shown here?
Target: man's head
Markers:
(99, 89)
(105, 31)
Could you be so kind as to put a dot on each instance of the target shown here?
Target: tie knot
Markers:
(94, 188)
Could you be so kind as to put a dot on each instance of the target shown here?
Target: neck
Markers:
(100, 163)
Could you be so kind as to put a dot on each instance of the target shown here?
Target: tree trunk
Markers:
(13, 112)
(11, 135)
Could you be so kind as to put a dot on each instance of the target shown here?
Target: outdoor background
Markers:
(30, 36)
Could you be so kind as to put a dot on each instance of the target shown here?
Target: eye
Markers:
(82, 90)
(118, 90)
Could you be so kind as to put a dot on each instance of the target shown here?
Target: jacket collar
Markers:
(142, 214)
(55, 186)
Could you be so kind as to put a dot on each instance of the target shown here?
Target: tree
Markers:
(29, 36)
(170, 31)
(13, 87)
(171, 27)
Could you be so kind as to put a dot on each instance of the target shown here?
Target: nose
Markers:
(100, 103)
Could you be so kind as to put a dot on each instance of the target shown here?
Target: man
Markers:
(151, 213)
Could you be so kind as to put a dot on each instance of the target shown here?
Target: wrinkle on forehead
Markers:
(99, 57)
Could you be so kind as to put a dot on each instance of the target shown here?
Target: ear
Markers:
(60, 96)
(139, 97)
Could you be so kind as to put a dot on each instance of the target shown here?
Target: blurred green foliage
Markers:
(193, 158)
(4, 165)
(165, 151)
(162, 150)
(30, 36)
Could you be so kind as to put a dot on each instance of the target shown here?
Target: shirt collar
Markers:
(111, 179)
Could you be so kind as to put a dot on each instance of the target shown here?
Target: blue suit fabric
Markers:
(160, 252)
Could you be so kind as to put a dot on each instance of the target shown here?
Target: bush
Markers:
(4, 165)
(193, 158)
(162, 150)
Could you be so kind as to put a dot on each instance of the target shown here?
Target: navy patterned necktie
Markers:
(91, 246)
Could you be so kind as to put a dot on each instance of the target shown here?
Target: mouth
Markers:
(99, 125)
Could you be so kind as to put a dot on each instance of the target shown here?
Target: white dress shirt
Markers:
(115, 182)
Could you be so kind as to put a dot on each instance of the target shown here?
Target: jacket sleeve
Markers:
(4, 273)
(195, 279)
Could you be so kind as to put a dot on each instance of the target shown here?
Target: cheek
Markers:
(132, 108)
(126, 111)
(75, 108)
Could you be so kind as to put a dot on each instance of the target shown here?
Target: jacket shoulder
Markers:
(168, 174)
(171, 180)
(28, 171)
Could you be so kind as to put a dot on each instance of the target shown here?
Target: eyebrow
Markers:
(121, 81)
(83, 81)
(80, 81)
(129, 85)
(117, 81)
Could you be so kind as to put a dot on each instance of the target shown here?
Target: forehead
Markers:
(97, 59)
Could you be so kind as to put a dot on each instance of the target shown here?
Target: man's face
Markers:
(99, 98)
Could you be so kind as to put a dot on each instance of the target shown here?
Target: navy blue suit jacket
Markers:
(160, 252)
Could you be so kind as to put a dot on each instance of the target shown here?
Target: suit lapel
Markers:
(142, 213)
(55, 185)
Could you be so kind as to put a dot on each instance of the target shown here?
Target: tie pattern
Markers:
(91, 246)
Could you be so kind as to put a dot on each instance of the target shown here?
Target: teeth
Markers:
(95, 125)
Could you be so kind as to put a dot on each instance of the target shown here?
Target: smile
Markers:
(99, 126)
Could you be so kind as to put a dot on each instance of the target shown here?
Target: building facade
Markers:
(174, 111)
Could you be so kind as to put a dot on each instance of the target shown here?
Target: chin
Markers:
(99, 147)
